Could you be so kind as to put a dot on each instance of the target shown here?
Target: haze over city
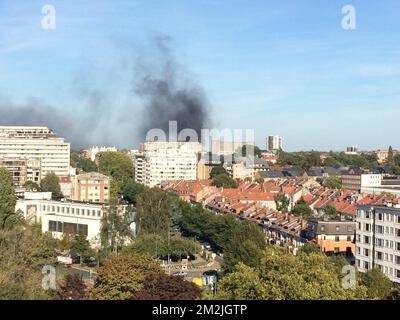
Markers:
(284, 68)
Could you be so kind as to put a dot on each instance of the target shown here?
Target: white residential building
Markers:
(166, 161)
(274, 143)
(59, 217)
(36, 143)
(378, 239)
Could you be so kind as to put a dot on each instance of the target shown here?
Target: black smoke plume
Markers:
(161, 86)
(167, 92)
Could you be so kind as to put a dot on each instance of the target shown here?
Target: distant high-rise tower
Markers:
(274, 143)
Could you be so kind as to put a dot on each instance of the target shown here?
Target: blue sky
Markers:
(278, 67)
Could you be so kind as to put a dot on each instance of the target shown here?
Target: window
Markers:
(336, 250)
(337, 239)
(348, 238)
(379, 255)
(366, 252)
(379, 242)
(55, 226)
(379, 229)
(380, 216)
(366, 239)
(366, 265)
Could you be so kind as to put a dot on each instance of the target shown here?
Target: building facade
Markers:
(91, 187)
(167, 161)
(36, 144)
(274, 143)
(378, 239)
(333, 236)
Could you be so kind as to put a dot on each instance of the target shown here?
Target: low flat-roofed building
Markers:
(59, 217)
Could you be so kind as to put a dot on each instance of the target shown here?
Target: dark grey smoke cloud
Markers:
(168, 93)
(162, 86)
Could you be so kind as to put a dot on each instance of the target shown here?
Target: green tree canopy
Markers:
(218, 170)
(121, 277)
(283, 276)
(302, 209)
(282, 202)
(333, 182)
(51, 183)
(130, 190)
(8, 200)
(115, 228)
(379, 286)
(243, 283)
(246, 246)
(80, 162)
(31, 186)
(24, 250)
(154, 212)
(225, 181)
(118, 165)
(330, 211)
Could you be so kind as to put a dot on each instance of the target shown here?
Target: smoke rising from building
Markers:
(167, 93)
(164, 94)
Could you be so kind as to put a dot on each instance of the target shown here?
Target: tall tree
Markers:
(51, 183)
(154, 212)
(242, 284)
(246, 245)
(118, 165)
(302, 209)
(330, 211)
(115, 228)
(80, 162)
(121, 277)
(282, 202)
(8, 200)
(24, 250)
(333, 182)
(379, 286)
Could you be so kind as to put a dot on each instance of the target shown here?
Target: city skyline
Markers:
(279, 68)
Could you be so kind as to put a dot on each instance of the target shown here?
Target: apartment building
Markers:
(36, 144)
(22, 170)
(274, 143)
(91, 187)
(333, 236)
(378, 239)
(167, 161)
